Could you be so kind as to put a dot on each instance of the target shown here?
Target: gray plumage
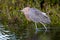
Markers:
(36, 16)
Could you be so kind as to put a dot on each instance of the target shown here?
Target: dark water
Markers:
(50, 35)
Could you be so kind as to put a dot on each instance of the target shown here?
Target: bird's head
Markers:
(26, 9)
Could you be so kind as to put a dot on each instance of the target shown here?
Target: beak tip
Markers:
(20, 10)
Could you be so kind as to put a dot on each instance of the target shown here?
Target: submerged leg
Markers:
(44, 27)
(36, 28)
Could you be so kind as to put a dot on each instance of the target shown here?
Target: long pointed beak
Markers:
(21, 10)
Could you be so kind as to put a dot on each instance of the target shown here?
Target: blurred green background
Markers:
(16, 22)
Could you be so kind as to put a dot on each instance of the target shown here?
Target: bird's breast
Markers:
(27, 17)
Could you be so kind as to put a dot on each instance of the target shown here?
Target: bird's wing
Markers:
(38, 12)
(38, 16)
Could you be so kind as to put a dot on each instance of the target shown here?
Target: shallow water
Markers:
(50, 35)
(6, 34)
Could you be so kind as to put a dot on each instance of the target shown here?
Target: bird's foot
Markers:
(37, 29)
(46, 30)
(41, 29)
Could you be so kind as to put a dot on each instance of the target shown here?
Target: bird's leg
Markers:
(44, 27)
(36, 28)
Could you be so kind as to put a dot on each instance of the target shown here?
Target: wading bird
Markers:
(35, 15)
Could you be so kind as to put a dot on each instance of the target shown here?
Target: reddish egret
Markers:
(35, 15)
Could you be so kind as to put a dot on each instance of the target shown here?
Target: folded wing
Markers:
(37, 16)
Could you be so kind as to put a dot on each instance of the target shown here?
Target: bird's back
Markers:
(37, 16)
